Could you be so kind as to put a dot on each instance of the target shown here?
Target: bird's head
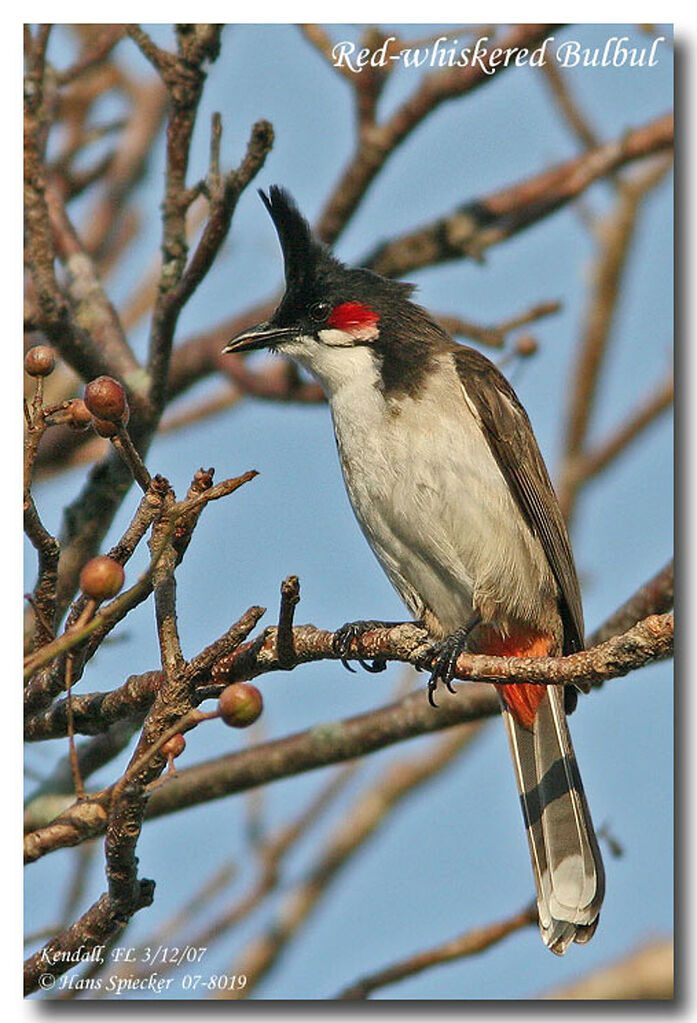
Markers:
(329, 311)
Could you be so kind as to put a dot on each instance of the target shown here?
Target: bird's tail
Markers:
(566, 861)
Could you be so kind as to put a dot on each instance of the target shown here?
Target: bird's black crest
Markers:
(301, 252)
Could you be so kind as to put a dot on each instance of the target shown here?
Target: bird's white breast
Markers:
(432, 501)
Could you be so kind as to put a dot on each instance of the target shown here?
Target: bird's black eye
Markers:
(319, 311)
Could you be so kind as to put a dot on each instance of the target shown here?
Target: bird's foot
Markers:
(444, 659)
(344, 637)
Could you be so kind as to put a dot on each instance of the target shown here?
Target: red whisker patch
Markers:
(352, 315)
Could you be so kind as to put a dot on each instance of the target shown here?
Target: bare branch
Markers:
(649, 640)
(597, 459)
(495, 336)
(468, 944)
(102, 921)
(490, 220)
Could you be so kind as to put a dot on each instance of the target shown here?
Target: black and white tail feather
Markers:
(566, 861)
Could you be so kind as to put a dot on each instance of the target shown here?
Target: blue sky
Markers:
(454, 855)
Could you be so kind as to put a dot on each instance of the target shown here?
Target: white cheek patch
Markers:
(336, 338)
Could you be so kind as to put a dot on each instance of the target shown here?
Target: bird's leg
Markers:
(344, 637)
(444, 657)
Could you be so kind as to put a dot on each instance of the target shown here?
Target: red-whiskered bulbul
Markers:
(450, 489)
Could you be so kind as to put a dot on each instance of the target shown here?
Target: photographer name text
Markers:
(447, 53)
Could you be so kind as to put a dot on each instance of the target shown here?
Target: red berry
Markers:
(106, 399)
(174, 746)
(240, 704)
(101, 578)
(40, 361)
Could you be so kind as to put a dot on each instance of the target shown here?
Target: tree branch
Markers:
(468, 944)
(102, 921)
(490, 220)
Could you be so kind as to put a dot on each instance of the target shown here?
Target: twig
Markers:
(322, 43)
(103, 348)
(122, 834)
(331, 743)
(495, 336)
(74, 763)
(89, 516)
(468, 944)
(106, 226)
(92, 56)
(43, 599)
(591, 463)
(204, 664)
(290, 596)
(93, 754)
(127, 450)
(408, 643)
(648, 640)
(183, 77)
(568, 106)
(93, 713)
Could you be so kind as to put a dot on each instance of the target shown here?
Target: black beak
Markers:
(260, 336)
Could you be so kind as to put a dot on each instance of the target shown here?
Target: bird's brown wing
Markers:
(511, 439)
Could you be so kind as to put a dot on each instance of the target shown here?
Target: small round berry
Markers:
(106, 399)
(174, 746)
(101, 578)
(526, 345)
(79, 416)
(40, 361)
(240, 704)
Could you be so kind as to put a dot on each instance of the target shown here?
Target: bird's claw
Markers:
(344, 637)
(443, 660)
(445, 657)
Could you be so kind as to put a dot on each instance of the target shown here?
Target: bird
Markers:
(450, 489)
